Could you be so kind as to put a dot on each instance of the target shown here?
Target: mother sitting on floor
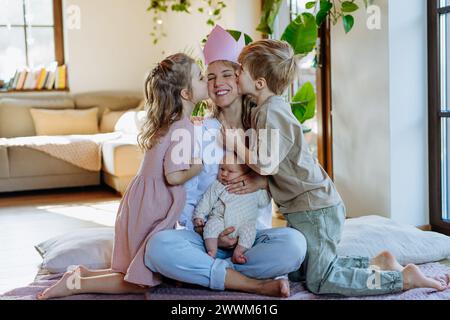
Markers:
(181, 254)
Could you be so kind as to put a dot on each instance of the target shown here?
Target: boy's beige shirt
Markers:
(299, 183)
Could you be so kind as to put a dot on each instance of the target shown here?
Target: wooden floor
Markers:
(29, 218)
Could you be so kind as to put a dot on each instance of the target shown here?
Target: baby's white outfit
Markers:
(225, 210)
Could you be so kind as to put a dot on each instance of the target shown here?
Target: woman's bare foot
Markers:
(275, 288)
(66, 286)
(386, 261)
(414, 278)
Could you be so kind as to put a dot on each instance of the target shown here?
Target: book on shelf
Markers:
(61, 77)
(21, 81)
(53, 77)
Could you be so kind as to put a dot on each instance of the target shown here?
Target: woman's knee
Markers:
(158, 248)
(295, 244)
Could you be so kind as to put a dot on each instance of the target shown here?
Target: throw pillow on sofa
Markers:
(109, 120)
(131, 122)
(65, 122)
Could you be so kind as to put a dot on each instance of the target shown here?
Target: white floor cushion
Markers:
(368, 236)
(91, 247)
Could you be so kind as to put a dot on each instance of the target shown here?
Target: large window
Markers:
(30, 35)
(439, 113)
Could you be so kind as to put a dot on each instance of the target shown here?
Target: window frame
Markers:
(435, 115)
(58, 33)
(323, 96)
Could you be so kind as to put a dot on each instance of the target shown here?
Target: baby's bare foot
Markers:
(386, 261)
(414, 278)
(60, 289)
(275, 288)
(239, 259)
(238, 255)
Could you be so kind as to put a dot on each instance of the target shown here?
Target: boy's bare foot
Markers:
(62, 288)
(414, 278)
(386, 261)
(275, 288)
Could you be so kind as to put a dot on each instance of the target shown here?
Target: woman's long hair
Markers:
(163, 103)
(247, 102)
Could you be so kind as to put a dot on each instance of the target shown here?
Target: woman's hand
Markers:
(224, 241)
(248, 183)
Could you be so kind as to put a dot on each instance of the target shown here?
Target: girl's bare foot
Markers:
(414, 278)
(66, 286)
(386, 261)
(275, 288)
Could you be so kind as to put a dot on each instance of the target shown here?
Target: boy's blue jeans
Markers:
(326, 273)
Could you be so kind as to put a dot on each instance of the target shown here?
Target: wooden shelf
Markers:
(34, 90)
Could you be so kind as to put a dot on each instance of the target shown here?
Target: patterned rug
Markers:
(171, 292)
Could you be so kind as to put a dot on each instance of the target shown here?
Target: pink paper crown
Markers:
(222, 46)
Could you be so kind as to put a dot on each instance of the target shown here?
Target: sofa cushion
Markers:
(27, 162)
(109, 120)
(15, 116)
(4, 163)
(131, 122)
(105, 99)
(65, 122)
(122, 157)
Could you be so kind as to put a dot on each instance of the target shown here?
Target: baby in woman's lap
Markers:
(223, 210)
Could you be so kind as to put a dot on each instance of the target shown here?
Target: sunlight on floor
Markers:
(103, 213)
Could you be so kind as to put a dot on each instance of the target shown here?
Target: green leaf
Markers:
(270, 12)
(304, 103)
(237, 34)
(325, 8)
(310, 5)
(302, 33)
(348, 6)
(348, 21)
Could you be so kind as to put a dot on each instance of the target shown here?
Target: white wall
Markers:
(408, 111)
(113, 49)
(379, 82)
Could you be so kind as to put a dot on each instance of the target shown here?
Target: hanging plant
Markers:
(211, 9)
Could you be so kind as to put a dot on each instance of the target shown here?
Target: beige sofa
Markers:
(22, 168)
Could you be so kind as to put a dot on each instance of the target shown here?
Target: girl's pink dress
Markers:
(148, 206)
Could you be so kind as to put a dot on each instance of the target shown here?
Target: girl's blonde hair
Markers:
(247, 102)
(163, 103)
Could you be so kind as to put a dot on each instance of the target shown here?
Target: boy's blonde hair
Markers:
(163, 103)
(272, 60)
